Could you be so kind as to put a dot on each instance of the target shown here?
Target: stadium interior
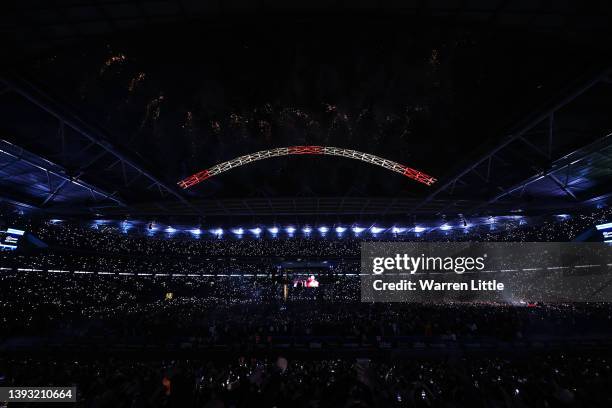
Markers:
(188, 190)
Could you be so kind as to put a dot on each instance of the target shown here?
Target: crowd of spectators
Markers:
(243, 310)
(535, 381)
(101, 285)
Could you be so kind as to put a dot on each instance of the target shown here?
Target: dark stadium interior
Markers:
(245, 289)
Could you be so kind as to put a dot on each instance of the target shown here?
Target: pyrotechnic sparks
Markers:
(136, 81)
(434, 59)
(111, 61)
(188, 124)
(215, 126)
(152, 111)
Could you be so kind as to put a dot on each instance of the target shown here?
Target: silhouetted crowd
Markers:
(241, 310)
(535, 381)
(98, 287)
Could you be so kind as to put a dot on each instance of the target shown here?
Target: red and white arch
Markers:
(301, 150)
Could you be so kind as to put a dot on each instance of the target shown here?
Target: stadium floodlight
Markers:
(55, 221)
(376, 230)
(398, 230)
(563, 216)
(340, 230)
(125, 226)
(445, 227)
(273, 230)
(15, 231)
(290, 230)
(255, 231)
(323, 230)
(218, 232)
(306, 230)
(196, 231)
(357, 230)
(238, 231)
(170, 230)
(419, 229)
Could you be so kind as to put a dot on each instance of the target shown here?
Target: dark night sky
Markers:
(429, 96)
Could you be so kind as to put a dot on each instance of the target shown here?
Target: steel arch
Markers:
(315, 150)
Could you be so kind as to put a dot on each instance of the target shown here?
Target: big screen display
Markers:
(310, 282)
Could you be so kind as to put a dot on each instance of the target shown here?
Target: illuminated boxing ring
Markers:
(300, 150)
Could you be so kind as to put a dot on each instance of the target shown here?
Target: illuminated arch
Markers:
(318, 150)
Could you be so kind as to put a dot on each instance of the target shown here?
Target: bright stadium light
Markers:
(418, 229)
(520, 218)
(445, 227)
(323, 230)
(376, 230)
(357, 230)
(125, 226)
(97, 223)
(290, 230)
(340, 230)
(398, 230)
(218, 232)
(170, 230)
(196, 231)
(255, 231)
(306, 230)
(601, 227)
(238, 231)
(273, 230)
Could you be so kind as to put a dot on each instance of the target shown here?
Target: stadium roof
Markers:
(107, 105)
